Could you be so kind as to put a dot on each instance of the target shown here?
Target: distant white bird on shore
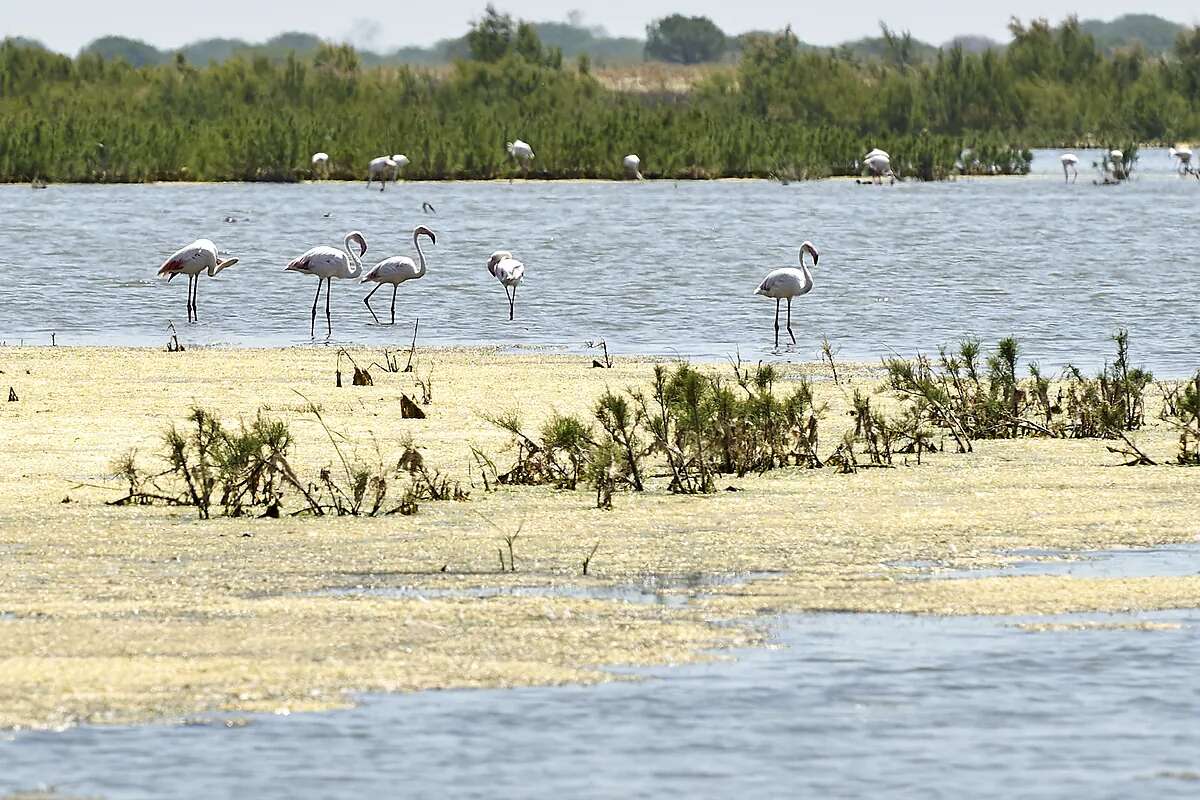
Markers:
(521, 151)
(786, 283)
(396, 270)
(320, 159)
(879, 165)
(192, 260)
(385, 167)
(632, 166)
(328, 263)
(509, 272)
(1070, 165)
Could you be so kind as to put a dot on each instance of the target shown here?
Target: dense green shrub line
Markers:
(783, 111)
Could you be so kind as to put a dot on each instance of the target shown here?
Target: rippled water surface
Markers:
(847, 705)
(652, 267)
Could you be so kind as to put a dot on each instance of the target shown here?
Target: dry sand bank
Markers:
(124, 614)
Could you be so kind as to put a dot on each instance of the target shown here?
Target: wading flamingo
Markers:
(1184, 155)
(384, 167)
(509, 272)
(633, 166)
(396, 270)
(879, 164)
(1070, 165)
(197, 257)
(328, 263)
(786, 283)
(522, 152)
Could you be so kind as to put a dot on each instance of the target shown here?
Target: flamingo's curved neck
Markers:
(420, 255)
(355, 263)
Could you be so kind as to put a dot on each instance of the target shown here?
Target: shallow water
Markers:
(846, 705)
(656, 267)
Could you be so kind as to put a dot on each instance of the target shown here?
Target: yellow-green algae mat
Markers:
(121, 614)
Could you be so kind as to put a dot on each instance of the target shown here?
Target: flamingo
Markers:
(328, 263)
(509, 272)
(879, 164)
(1184, 154)
(522, 152)
(396, 270)
(632, 166)
(320, 160)
(786, 283)
(197, 257)
(1070, 163)
(384, 167)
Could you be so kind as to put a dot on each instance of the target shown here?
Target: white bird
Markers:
(879, 164)
(328, 263)
(1070, 165)
(786, 283)
(385, 167)
(632, 166)
(192, 260)
(320, 159)
(396, 270)
(521, 151)
(509, 272)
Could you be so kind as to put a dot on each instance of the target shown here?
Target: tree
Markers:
(684, 40)
(491, 37)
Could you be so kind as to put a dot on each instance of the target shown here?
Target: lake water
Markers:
(844, 705)
(653, 267)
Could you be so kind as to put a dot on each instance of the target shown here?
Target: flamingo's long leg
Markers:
(789, 321)
(395, 287)
(196, 300)
(328, 319)
(312, 330)
(367, 300)
(777, 322)
(512, 302)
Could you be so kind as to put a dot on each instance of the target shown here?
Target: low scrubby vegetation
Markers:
(247, 470)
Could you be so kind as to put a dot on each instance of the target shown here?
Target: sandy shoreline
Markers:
(128, 614)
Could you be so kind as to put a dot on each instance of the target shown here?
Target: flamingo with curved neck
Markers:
(398, 269)
(328, 263)
(198, 257)
(788, 282)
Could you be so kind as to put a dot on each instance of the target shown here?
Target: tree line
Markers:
(782, 110)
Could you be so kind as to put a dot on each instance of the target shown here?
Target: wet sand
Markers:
(127, 614)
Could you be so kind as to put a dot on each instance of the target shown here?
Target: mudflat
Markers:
(134, 613)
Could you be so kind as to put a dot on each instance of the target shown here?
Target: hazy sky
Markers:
(67, 25)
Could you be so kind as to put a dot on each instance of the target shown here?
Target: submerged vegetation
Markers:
(781, 110)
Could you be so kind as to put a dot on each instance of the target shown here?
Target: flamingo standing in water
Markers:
(384, 167)
(1184, 155)
(509, 272)
(786, 283)
(1070, 163)
(328, 263)
(632, 166)
(396, 270)
(522, 152)
(192, 260)
(879, 164)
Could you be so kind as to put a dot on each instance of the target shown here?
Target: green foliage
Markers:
(786, 109)
(685, 40)
(1181, 409)
(211, 466)
(957, 395)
